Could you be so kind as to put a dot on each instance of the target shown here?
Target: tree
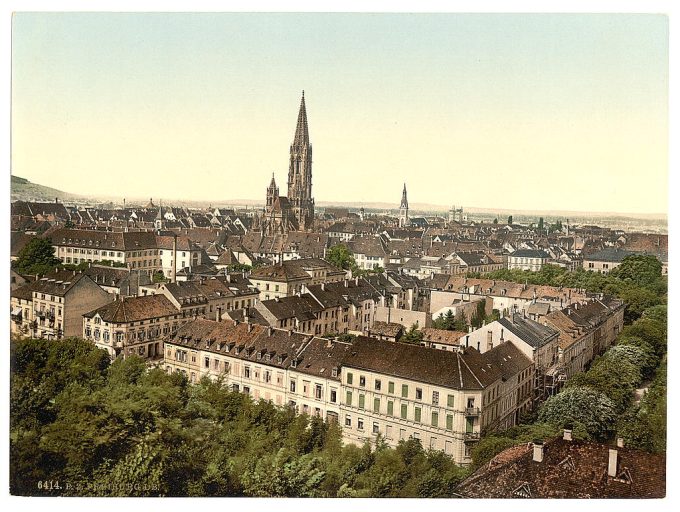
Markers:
(158, 277)
(509, 220)
(37, 257)
(540, 224)
(340, 256)
(640, 270)
(584, 407)
(495, 221)
(413, 335)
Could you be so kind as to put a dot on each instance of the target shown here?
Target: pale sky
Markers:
(541, 112)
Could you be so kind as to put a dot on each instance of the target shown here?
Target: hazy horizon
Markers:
(535, 112)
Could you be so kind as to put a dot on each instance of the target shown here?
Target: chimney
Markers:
(613, 465)
(250, 327)
(538, 451)
(270, 330)
(219, 313)
(567, 434)
(619, 442)
(489, 340)
(356, 281)
(469, 328)
(346, 283)
(467, 341)
(323, 287)
(246, 318)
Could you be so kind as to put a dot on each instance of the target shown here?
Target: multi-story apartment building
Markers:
(176, 253)
(137, 250)
(304, 314)
(585, 331)
(52, 306)
(209, 297)
(287, 278)
(528, 259)
(536, 341)
(132, 325)
(373, 387)
(289, 368)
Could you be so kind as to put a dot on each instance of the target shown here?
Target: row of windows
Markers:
(403, 410)
(376, 425)
(377, 385)
(111, 254)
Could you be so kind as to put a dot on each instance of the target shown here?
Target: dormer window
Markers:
(334, 372)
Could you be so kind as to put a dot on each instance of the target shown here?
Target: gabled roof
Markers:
(135, 309)
(532, 333)
(570, 469)
(453, 370)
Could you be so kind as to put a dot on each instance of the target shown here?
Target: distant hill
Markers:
(24, 190)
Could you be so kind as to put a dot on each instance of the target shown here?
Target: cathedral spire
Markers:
(404, 200)
(301, 131)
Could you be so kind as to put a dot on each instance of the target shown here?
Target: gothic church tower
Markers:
(403, 209)
(300, 172)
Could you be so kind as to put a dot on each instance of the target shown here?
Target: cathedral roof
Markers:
(301, 131)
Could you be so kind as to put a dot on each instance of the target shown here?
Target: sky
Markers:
(526, 111)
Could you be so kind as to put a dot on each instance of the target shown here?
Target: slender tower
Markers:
(403, 209)
(300, 172)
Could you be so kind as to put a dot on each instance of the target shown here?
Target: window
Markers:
(349, 378)
(361, 401)
(449, 422)
(376, 405)
(333, 396)
(246, 373)
(435, 419)
(348, 398)
(217, 364)
(376, 427)
(404, 390)
(377, 384)
(449, 400)
(435, 398)
(416, 414)
(419, 394)
(317, 391)
(390, 387)
(404, 411)
(207, 362)
(267, 376)
(360, 423)
(348, 420)
(362, 381)
(390, 408)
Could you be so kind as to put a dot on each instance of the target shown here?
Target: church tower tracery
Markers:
(295, 211)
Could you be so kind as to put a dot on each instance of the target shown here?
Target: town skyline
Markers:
(211, 133)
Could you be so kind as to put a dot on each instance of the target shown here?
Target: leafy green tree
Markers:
(509, 220)
(584, 407)
(37, 257)
(340, 256)
(412, 336)
(641, 270)
(158, 277)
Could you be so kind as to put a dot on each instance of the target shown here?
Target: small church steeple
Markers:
(403, 209)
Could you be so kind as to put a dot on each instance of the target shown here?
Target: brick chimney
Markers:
(489, 340)
(567, 434)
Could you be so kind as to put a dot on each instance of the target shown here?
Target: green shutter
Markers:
(449, 401)
(361, 401)
(390, 408)
(449, 422)
(376, 405)
(435, 419)
(390, 387)
(404, 390)
(349, 378)
(404, 411)
(348, 399)
(417, 414)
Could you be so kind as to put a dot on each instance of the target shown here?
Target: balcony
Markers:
(471, 437)
(472, 411)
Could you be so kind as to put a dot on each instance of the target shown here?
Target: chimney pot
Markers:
(613, 465)
(619, 442)
(538, 452)
(567, 434)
